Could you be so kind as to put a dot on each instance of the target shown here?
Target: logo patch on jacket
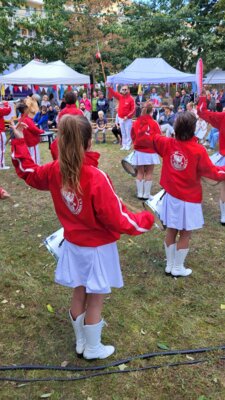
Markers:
(178, 161)
(72, 202)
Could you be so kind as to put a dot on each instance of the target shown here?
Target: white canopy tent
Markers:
(150, 70)
(216, 76)
(39, 73)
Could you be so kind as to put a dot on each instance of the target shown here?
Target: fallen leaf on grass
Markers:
(45, 395)
(222, 306)
(22, 384)
(39, 235)
(28, 273)
(162, 346)
(4, 301)
(16, 205)
(190, 358)
(122, 367)
(22, 306)
(64, 364)
(143, 332)
(49, 308)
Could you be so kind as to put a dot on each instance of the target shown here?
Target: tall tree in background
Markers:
(8, 31)
(94, 22)
(51, 36)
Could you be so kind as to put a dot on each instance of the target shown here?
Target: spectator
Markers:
(222, 99)
(94, 100)
(63, 104)
(190, 108)
(102, 103)
(167, 121)
(201, 129)
(117, 131)
(52, 115)
(139, 101)
(101, 127)
(87, 104)
(45, 102)
(41, 118)
(155, 98)
(185, 99)
(5, 109)
(176, 101)
(53, 102)
(86, 113)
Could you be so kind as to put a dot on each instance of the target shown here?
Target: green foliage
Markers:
(8, 31)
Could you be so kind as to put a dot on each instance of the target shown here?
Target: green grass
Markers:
(151, 308)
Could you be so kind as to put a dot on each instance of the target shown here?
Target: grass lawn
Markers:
(151, 309)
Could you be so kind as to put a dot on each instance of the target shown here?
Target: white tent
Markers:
(216, 76)
(39, 73)
(150, 70)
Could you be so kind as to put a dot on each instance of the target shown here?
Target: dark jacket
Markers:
(102, 105)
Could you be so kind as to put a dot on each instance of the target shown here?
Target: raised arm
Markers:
(113, 213)
(213, 118)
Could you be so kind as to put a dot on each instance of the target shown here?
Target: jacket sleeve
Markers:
(132, 133)
(54, 149)
(159, 144)
(33, 174)
(43, 119)
(112, 93)
(213, 118)
(112, 213)
(208, 169)
(32, 127)
(132, 106)
(6, 110)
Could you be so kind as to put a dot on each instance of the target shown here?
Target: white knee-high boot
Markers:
(179, 268)
(140, 188)
(78, 327)
(222, 210)
(170, 257)
(147, 190)
(93, 347)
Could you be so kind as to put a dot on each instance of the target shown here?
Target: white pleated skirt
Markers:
(141, 158)
(181, 215)
(95, 268)
(217, 159)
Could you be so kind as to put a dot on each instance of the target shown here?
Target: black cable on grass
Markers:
(112, 364)
(94, 375)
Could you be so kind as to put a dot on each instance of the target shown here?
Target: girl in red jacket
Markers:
(217, 120)
(4, 110)
(93, 217)
(143, 130)
(184, 163)
(31, 132)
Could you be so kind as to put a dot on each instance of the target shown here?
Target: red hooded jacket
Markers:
(142, 132)
(126, 104)
(6, 110)
(70, 109)
(32, 132)
(94, 217)
(216, 119)
(184, 163)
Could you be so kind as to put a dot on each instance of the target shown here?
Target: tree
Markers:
(8, 31)
(94, 24)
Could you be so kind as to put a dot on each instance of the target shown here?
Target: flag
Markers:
(98, 55)
(199, 75)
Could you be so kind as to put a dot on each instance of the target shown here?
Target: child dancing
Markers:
(184, 163)
(143, 130)
(93, 217)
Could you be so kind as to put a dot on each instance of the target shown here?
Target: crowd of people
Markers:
(91, 213)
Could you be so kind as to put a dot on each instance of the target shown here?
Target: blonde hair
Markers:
(147, 108)
(75, 132)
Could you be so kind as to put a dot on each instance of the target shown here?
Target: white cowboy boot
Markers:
(222, 210)
(179, 268)
(147, 190)
(140, 188)
(78, 327)
(170, 256)
(93, 347)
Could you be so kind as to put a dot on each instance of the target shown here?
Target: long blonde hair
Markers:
(75, 133)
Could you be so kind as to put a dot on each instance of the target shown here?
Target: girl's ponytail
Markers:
(74, 136)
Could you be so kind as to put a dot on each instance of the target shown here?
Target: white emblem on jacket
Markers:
(178, 161)
(72, 202)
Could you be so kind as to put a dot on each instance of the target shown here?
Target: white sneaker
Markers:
(5, 167)
(122, 148)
